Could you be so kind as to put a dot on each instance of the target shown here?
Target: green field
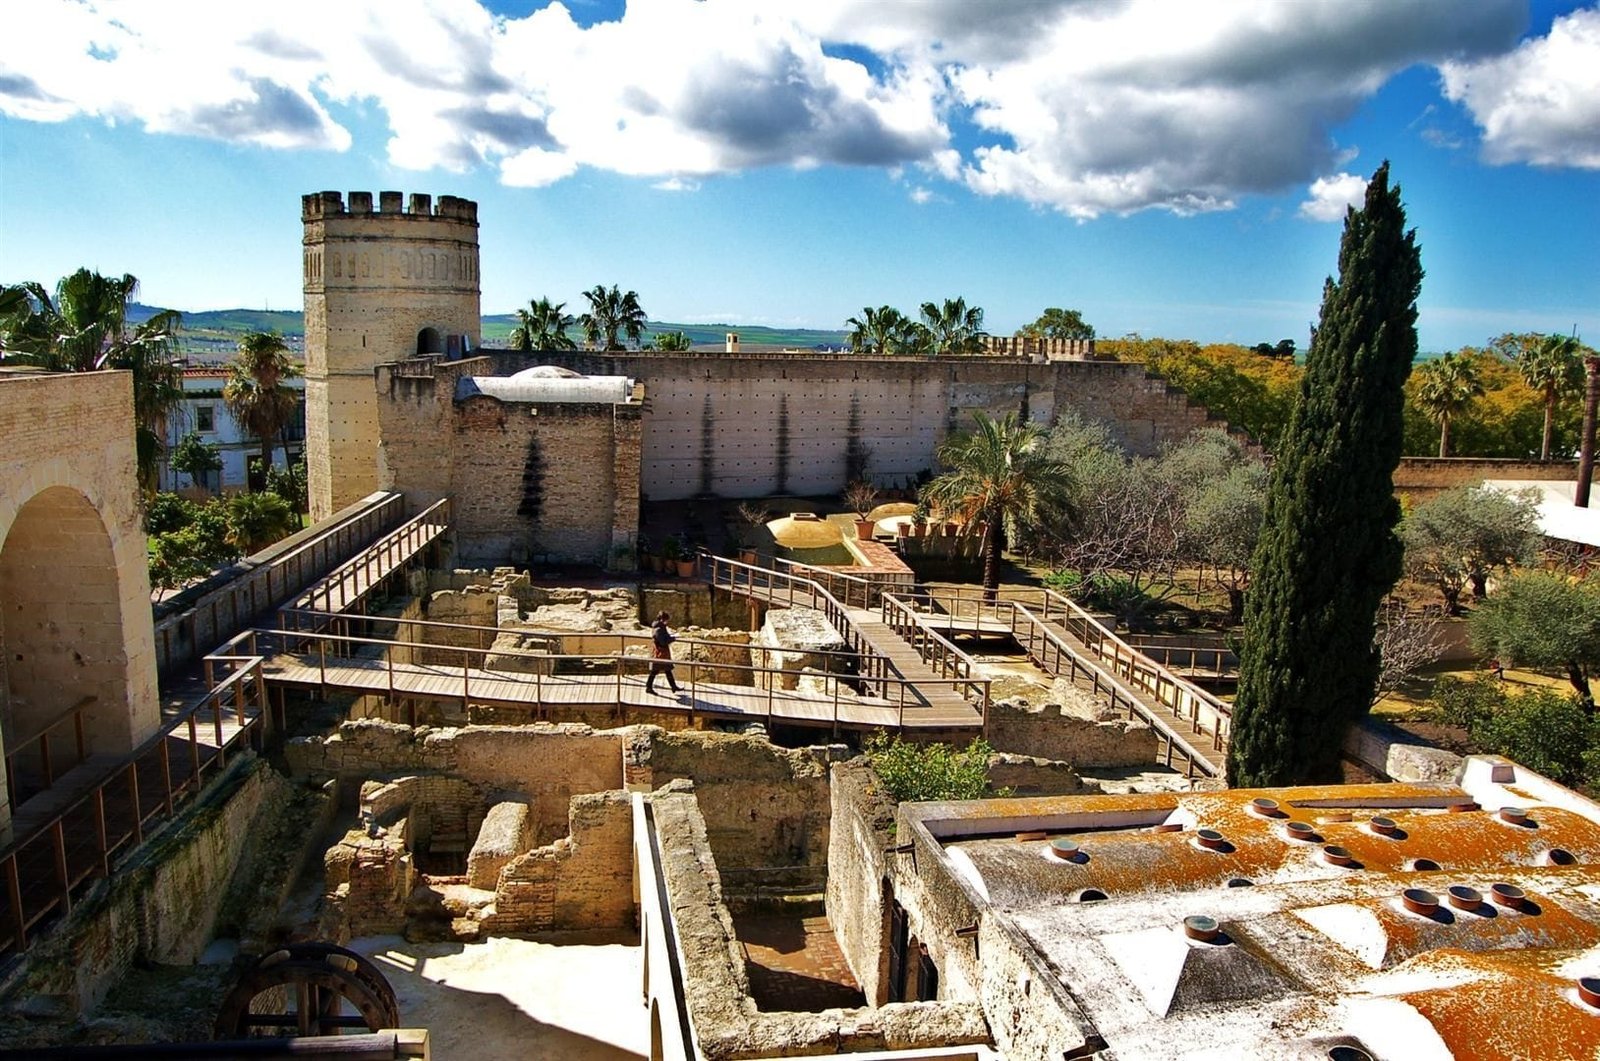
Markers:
(213, 331)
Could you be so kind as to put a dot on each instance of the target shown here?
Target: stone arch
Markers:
(430, 341)
(74, 583)
(61, 628)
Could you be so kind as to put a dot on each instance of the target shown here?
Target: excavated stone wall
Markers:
(726, 1020)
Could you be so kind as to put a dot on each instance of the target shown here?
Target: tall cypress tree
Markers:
(1328, 552)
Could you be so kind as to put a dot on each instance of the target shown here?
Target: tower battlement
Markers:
(320, 205)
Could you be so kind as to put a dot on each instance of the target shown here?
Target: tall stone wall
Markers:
(756, 426)
(379, 284)
(530, 481)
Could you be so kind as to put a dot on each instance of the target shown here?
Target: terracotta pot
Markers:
(949, 530)
(864, 529)
(748, 556)
(686, 568)
(902, 530)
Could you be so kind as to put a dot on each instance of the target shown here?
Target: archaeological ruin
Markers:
(399, 782)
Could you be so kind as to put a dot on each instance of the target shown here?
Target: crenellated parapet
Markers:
(1038, 348)
(320, 205)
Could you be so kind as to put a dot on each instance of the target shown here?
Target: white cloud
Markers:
(1541, 102)
(922, 196)
(1331, 196)
(676, 184)
(1083, 108)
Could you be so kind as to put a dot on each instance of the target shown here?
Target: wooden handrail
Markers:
(32, 896)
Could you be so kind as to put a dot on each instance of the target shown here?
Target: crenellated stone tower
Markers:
(380, 285)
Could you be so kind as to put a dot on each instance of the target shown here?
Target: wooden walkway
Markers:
(1187, 740)
(617, 693)
(348, 585)
(1063, 640)
(942, 676)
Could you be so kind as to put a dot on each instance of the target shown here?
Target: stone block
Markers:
(503, 836)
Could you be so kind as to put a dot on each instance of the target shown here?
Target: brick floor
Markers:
(795, 965)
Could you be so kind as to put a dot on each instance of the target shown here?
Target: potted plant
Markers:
(859, 497)
(753, 517)
(686, 561)
(920, 518)
(671, 550)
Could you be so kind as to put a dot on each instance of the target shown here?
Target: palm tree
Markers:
(884, 330)
(542, 326)
(955, 326)
(1000, 475)
(257, 520)
(1445, 387)
(256, 394)
(83, 328)
(1553, 368)
(610, 313)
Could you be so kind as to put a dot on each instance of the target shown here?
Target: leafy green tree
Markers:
(1328, 552)
(187, 541)
(612, 313)
(195, 458)
(1544, 622)
(953, 327)
(1548, 733)
(543, 326)
(84, 328)
(257, 393)
(257, 520)
(1056, 323)
(290, 484)
(1552, 365)
(670, 342)
(1223, 492)
(921, 772)
(1465, 534)
(1250, 392)
(1000, 474)
(1446, 387)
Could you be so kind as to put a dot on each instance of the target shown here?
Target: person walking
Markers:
(661, 640)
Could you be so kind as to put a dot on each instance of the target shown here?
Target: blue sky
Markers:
(1169, 169)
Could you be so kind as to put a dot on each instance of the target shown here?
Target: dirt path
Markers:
(512, 999)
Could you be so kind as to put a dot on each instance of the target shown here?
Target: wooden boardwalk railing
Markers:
(57, 854)
(182, 638)
(409, 671)
(348, 585)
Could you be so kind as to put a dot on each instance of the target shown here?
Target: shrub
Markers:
(1544, 731)
(1466, 702)
(919, 772)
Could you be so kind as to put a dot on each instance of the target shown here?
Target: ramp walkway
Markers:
(1064, 640)
(943, 677)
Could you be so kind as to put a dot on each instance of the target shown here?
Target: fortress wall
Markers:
(754, 426)
(530, 480)
(1422, 477)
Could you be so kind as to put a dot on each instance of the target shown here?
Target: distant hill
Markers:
(211, 332)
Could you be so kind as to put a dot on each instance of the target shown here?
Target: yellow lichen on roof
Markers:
(1516, 1008)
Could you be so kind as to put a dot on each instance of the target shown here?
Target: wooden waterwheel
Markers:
(308, 989)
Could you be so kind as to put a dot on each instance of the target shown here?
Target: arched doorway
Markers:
(61, 636)
(429, 341)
